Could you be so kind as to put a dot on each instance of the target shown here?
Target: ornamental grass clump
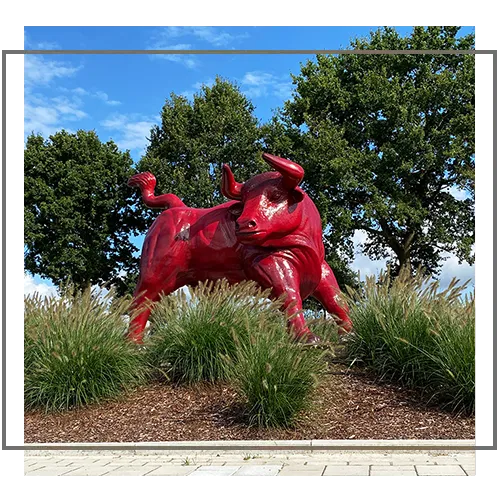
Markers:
(325, 328)
(75, 350)
(411, 333)
(193, 333)
(275, 376)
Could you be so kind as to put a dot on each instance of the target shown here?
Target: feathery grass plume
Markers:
(75, 351)
(411, 333)
(324, 328)
(274, 376)
(191, 339)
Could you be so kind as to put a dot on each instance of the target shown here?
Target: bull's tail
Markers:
(146, 182)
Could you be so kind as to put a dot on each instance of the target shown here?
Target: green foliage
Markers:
(323, 327)
(383, 139)
(274, 376)
(410, 333)
(78, 211)
(75, 351)
(187, 150)
(191, 337)
(234, 333)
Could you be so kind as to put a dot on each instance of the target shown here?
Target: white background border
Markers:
(256, 13)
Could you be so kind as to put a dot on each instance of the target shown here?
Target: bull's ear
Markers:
(297, 195)
(294, 198)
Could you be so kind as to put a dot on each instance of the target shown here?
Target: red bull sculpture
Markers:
(270, 232)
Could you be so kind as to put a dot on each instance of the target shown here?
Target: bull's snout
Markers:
(244, 225)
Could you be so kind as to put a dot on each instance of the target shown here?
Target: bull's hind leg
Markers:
(162, 262)
(145, 295)
(140, 312)
(328, 293)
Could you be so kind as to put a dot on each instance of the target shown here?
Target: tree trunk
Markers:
(404, 254)
(404, 260)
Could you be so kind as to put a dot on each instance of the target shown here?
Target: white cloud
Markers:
(190, 35)
(115, 121)
(212, 35)
(40, 120)
(40, 70)
(32, 286)
(209, 34)
(362, 264)
(99, 94)
(257, 78)
(261, 83)
(47, 115)
(187, 60)
(451, 268)
(132, 130)
(104, 97)
(43, 114)
(47, 46)
(69, 108)
(79, 91)
(44, 45)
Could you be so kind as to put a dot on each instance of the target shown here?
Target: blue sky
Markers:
(121, 96)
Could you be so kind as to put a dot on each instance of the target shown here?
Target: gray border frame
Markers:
(488, 447)
(249, 51)
(7, 447)
(491, 446)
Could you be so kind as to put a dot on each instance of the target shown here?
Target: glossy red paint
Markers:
(270, 233)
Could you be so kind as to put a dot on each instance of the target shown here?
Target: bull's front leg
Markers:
(284, 281)
(328, 293)
(293, 309)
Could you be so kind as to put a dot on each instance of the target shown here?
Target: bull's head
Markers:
(269, 201)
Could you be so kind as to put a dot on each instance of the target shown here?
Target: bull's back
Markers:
(200, 242)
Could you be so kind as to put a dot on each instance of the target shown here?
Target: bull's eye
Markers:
(275, 196)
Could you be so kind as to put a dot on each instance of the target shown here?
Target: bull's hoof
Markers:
(313, 341)
(308, 340)
(135, 339)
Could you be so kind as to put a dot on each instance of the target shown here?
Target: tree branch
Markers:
(371, 230)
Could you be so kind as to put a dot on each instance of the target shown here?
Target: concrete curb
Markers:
(306, 445)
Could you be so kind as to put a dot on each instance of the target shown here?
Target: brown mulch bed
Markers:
(348, 404)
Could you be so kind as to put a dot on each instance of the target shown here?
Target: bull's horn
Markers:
(292, 172)
(229, 187)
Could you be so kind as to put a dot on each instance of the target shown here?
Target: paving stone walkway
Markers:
(249, 463)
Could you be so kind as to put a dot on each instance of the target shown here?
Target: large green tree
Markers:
(78, 211)
(197, 136)
(386, 141)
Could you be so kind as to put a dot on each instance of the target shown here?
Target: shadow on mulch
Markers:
(348, 404)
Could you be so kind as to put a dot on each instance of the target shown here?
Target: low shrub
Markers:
(274, 376)
(75, 352)
(193, 334)
(410, 333)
